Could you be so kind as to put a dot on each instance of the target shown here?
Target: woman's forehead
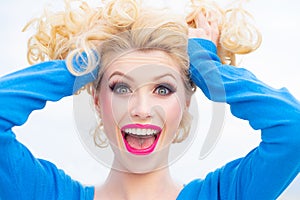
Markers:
(153, 63)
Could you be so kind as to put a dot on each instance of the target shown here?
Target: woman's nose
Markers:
(140, 106)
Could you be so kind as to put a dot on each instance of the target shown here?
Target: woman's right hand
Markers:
(205, 29)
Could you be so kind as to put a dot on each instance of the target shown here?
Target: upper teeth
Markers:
(139, 131)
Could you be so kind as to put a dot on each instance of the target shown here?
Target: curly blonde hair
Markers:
(119, 26)
(81, 27)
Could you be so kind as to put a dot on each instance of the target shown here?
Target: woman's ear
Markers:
(96, 101)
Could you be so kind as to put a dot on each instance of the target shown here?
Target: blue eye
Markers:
(120, 88)
(164, 90)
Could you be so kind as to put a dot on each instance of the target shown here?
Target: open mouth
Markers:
(140, 139)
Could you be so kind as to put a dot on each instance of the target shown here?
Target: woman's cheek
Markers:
(119, 108)
(108, 116)
(173, 110)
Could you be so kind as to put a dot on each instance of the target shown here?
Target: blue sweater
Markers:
(263, 174)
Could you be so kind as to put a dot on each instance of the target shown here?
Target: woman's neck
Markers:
(131, 186)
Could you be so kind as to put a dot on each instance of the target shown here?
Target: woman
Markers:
(142, 87)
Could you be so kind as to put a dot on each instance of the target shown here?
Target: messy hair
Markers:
(115, 27)
(81, 27)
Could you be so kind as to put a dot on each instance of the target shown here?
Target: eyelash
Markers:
(121, 85)
(118, 85)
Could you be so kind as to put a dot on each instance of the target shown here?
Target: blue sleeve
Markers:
(268, 169)
(22, 175)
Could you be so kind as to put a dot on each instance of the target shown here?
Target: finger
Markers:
(214, 25)
(201, 21)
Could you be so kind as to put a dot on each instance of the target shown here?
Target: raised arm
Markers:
(267, 170)
(22, 175)
(29, 89)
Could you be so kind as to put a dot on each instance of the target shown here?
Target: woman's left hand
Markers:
(205, 29)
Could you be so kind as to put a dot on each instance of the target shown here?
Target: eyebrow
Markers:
(164, 75)
(118, 73)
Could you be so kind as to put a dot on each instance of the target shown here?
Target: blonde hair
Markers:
(118, 26)
(81, 27)
(238, 34)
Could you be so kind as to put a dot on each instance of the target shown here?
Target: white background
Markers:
(51, 134)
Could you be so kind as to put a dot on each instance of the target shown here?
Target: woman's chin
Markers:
(130, 162)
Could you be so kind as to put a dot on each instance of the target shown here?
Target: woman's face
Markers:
(141, 102)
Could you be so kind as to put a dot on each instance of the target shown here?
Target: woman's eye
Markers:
(163, 90)
(120, 88)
